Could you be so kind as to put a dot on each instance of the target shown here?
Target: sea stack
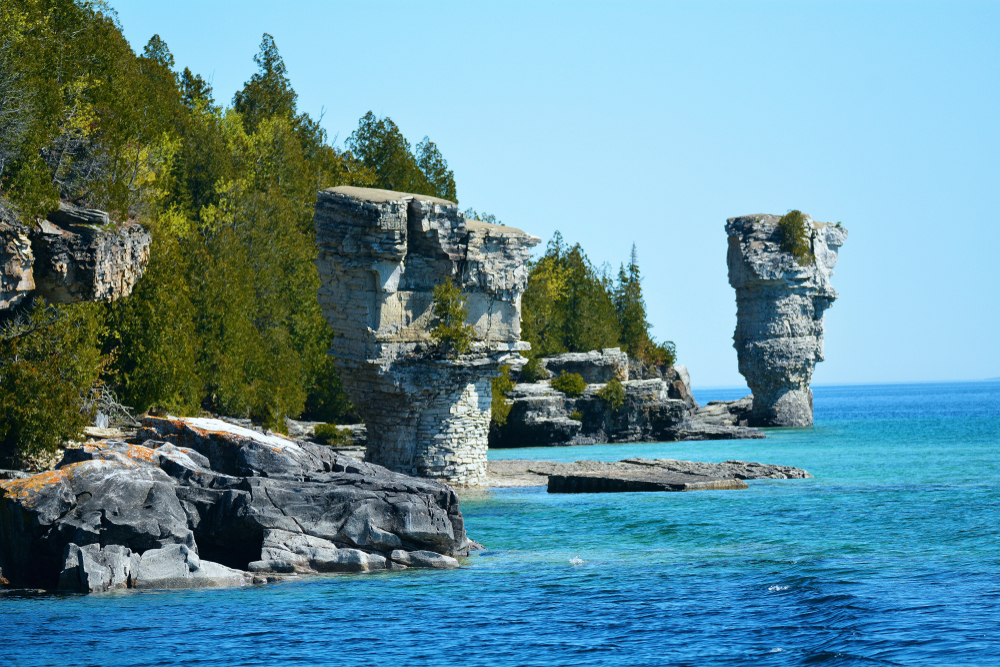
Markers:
(780, 301)
(381, 253)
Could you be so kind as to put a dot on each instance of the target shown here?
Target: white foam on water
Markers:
(776, 588)
(576, 560)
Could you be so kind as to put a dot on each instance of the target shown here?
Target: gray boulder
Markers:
(427, 559)
(232, 498)
(93, 569)
(595, 367)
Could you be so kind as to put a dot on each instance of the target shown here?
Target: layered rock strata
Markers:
(381, 254)
(594, 367)
(205, 503)
(76, 255)
(635, 475)
(779, 314)
(658, 409)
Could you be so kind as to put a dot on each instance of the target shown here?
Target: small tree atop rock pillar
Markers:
(781, 267)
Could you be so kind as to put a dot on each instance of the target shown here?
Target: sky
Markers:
(652, 122)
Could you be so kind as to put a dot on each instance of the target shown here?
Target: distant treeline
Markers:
(572, 306)
(226, 317)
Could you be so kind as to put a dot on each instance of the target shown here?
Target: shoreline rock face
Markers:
(381, 254)
(74, 256)
(656, 409)
(779, 314)
(205, 503)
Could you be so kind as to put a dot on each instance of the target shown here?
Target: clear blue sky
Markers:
(653, 122)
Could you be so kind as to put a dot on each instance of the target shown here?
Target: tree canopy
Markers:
(226, 317)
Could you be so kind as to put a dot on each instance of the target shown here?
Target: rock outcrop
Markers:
(657, 409)
(635, 475)
(595, 367)
(779, 314)
(76, 255)
(381, 253)
(205, 503)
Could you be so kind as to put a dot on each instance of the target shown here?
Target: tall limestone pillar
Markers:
(381, 253)
(779, 314)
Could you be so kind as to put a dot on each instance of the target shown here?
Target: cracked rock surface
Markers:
(381, 254)
(205, 503)
(779, 314)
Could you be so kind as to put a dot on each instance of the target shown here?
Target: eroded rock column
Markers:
(779, 314)
(381, 254)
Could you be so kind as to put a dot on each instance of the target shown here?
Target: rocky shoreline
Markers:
(204, 503)
(658, 406)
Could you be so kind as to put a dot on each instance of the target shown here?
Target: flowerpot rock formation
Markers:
(381, 253)
(779, 314)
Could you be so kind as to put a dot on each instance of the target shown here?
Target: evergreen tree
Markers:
(268, 93)
(631, 309)
(434, 167)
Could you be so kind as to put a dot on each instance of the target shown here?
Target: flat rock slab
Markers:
(635, 474)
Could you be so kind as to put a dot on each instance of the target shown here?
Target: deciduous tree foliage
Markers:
(226, 317)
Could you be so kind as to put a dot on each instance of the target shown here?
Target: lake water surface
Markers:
(890, 555)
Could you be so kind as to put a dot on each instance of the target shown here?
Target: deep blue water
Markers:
(890, 555)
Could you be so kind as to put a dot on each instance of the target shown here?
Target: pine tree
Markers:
(631, 308)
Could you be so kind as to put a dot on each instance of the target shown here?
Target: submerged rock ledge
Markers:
(635, 474)
(205, 503)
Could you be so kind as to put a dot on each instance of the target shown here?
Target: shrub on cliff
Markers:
(332, 436)
(796, 237)
(613, 394)
(501, 386)
(532, 371)
(49, 359)
(450, 332)
(571, 384)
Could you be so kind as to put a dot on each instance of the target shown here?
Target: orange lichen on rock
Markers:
(141, 453)
(25, 488)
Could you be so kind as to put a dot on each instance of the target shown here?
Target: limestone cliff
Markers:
(779, 314)
(381, 253)
(76, 255)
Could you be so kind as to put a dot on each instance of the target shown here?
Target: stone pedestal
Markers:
(381, 254)
(779, 314)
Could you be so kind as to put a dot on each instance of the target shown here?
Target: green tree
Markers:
(796, 237)
(501, 386)
(379, 146)
(433, 166)
(450, 332)
(613, 394)
(268, 93)
(48, 362)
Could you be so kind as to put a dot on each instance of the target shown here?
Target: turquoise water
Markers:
(890, 555)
